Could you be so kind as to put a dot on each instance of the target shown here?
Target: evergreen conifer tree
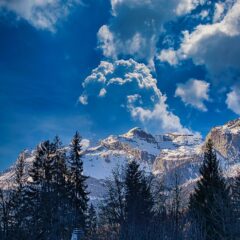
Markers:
(176, 207)
(210, 201)
(112, 207)
(41, 192)
(61, 200)
(236, 207)
(79, 194)
(139, 204)
(18, 201)
(5, 214)
(160, 227)
(92, 223)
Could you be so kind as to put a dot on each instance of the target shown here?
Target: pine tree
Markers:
(160, 227)
(210, 201)
(160, 197)
(78, 186)
(236, 206)
(139, 204)
(5, 214)
(146, 201)
(41, 192)
(133, 192)
(112, 208)
(17, 201)
(61, 228)
(176, 207)
(92, 223)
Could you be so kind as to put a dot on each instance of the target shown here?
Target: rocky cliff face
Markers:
(162, 155)
(226, 140)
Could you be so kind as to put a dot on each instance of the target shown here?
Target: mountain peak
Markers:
(138, 132)
(226, 139)
(232, 127)
(133, 132)
(234, 124)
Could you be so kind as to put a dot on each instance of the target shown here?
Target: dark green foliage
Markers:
(112, 208)
(137, 207)
(236, 207)
(5, 214)
(41, 191)
(176, 208)
(54, 199)
(210, 201)
(18, 199)
(139, 204)
(78, 186)
(92, 223)
(61, 200)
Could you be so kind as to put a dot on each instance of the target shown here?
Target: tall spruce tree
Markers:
(176, 207)
(61, 226)
(236, 207)
(41, 192)
(209, 203)
(17, 201)
(92, 223)
(5, 214)
(78, 185)
(112, 208)
(139, 204)
(159, 228)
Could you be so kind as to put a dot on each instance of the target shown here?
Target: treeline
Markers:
(54, 201)
(54, 198)
(138, 207)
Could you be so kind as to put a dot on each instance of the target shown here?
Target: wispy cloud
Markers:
(42, 14)
(233, 100)
(194, 92)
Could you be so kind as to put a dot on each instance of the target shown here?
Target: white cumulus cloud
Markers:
(131, 87)
(42, 14)
(168, 55)
(194, 92)
(215, 45)
(135, 26)
(233, 100)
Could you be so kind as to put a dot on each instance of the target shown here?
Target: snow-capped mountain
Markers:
(136, 144)
(162, 155)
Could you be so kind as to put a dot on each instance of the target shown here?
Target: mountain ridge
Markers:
(160, 155)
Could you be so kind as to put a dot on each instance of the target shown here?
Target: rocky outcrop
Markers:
(226, 140)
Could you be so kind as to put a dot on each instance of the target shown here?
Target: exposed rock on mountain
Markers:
(226, 140)
(162, 155)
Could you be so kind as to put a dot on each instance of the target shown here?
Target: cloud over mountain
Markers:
(128, 86)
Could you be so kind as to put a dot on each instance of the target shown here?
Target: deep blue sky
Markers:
(43, 66)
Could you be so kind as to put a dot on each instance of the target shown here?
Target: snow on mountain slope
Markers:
(226, 140)
(163, 155)
(136, 144)
(182, 158)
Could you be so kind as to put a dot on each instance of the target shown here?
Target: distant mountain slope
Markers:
(162, 155)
